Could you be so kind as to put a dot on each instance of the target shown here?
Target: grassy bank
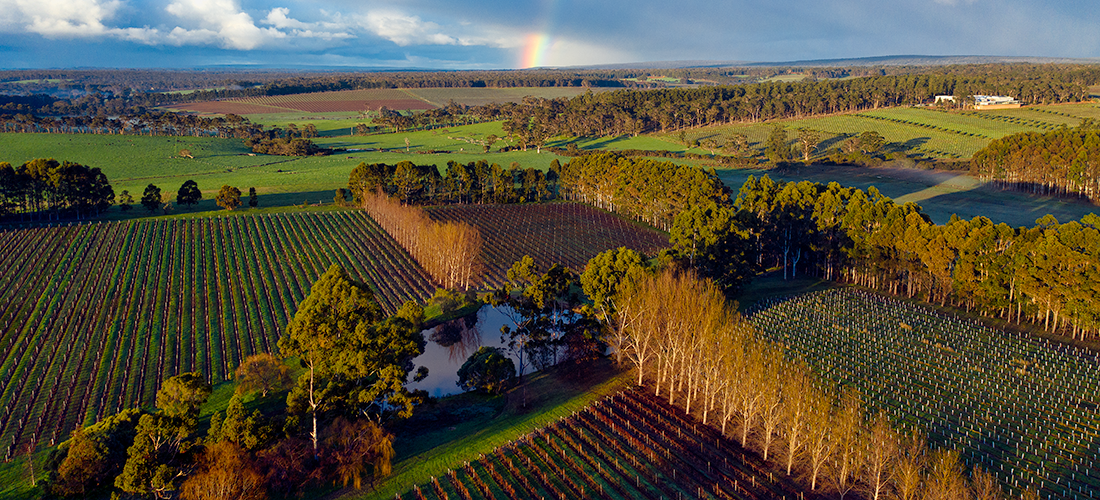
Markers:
(457, 429)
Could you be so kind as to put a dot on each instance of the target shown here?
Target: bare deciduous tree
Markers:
(881, 460)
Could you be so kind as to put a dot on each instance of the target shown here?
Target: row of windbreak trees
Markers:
(46, 188)
(162, 124)
(634, 112)
(474, 182)
(689, 346)
(1064, 161)
(448, 251)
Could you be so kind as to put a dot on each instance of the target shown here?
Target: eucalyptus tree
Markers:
(188, 193)
(150, 199)
(356, 361)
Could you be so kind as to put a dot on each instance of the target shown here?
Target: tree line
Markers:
(94, 92)
(1064, 161)
(331, 430)
(633, 112)
(647, 190)
(473, 182)
(47, 188)
(136, 123)
(122, 88)
(688, 345)
(1043, 274)
(451, 115)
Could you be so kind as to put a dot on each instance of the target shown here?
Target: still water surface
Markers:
(449, 345)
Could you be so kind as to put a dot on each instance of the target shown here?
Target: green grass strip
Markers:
(551, 396)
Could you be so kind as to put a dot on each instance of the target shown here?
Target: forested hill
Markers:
(660, 110)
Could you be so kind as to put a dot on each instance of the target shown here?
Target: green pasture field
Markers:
(47, 80)
(786, 78)
(133, 162)
(922, 132)
(976, 123)
(328, 124)
(644, 142)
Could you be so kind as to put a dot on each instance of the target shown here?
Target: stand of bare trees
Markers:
(448, 251)
(690, 346)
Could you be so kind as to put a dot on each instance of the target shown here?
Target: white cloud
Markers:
(70, 19)
(280, 19)
(59, 18)
(406, 30)
(231, 27)
(226, 24)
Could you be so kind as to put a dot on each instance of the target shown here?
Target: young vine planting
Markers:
(1023, 409)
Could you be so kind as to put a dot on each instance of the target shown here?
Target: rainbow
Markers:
(534, 52)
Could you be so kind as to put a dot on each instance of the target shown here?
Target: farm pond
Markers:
(449, 344)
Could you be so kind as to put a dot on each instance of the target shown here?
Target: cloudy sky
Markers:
(496, 34)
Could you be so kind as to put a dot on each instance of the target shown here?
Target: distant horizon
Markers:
(436, 35)
(888, 60)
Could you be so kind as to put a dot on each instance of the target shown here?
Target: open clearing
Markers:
(132, 162)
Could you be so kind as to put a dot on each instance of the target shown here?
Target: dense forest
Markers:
(1045, 274)
(1064, 161)
(647, 190)
(473, 182)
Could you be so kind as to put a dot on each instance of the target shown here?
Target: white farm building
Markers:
(995, 102)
